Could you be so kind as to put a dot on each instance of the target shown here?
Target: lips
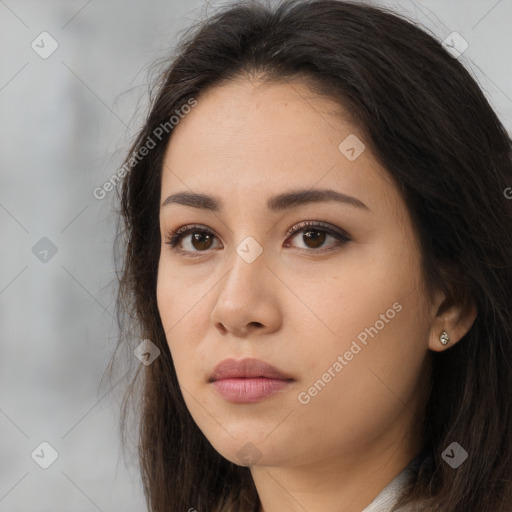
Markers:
(247, 380)
(245, 369)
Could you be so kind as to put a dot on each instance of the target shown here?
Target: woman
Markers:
(318, 251)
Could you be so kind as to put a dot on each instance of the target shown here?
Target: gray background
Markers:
(65, 123)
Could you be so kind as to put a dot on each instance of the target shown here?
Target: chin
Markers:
(243, 449)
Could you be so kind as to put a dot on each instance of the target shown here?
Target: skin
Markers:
(297, 306)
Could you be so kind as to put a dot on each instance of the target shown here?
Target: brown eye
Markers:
(196, 239)
(201, 240)
(314, 238)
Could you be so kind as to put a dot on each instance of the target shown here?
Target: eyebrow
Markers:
(277, 203)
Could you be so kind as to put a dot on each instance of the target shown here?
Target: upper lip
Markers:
(246, 368)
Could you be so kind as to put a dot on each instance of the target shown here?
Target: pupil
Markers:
(316, 240)
(199, 237)
(204, 239)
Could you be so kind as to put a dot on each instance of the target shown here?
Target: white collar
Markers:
(390, 494)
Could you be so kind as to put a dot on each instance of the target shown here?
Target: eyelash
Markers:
(174, 237)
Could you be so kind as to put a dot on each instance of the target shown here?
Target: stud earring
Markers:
(444, 338)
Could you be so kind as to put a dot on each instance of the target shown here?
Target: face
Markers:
(325, 285)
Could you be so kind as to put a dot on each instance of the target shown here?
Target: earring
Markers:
(444, 338)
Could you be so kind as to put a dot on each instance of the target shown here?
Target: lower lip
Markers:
(243, 391)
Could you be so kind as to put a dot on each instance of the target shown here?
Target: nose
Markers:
(247, 301)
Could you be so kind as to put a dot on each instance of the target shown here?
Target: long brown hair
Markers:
(431, 127)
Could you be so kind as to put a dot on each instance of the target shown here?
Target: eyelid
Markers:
(328, 228)
(175, 237)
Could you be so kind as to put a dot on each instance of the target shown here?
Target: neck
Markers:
(348, 482)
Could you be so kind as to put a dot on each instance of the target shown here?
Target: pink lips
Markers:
(247, 380)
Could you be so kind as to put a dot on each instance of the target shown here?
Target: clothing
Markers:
(390, 494)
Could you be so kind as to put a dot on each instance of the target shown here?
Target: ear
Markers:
(454, 318)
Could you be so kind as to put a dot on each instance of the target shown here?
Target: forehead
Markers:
(265, 137)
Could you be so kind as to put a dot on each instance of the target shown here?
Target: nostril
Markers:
(222, 328)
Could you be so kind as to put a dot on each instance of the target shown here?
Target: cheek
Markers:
(372, 313)
(182, 306)
(172, 310)
(366, 292)
(367, 378)
(178, 298)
